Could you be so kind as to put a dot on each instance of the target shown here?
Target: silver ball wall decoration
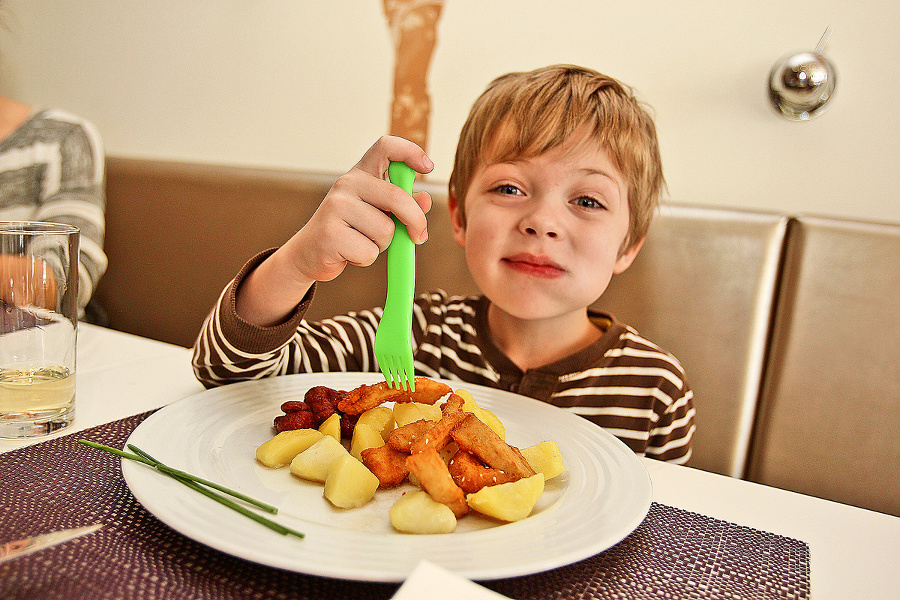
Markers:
(801, 84)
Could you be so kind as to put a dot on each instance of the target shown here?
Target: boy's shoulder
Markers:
(626, 343)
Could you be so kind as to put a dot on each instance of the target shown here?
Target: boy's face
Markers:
(544, 235)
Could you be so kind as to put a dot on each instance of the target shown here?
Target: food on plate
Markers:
(508, 501)
(470, 474)
(473, 435)
(322, 400)
(364, 437)
(411, 412)
(545, 458)
(491, 420)
(332, 426)
(381, 418)
(417, 512)
(318, 404)
(281, 449)
(431, 471)
(404, 436)
(297, 419)
(388, 464)
(314, 462)
(365, 397)
(349, 484)
(454, 451)
(438, 435)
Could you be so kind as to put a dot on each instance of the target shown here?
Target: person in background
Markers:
(556, 178)
(52, 169)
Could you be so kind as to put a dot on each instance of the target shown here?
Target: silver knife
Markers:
(11, 550)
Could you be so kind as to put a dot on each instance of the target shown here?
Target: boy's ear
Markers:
(456, 220)
(626, 258)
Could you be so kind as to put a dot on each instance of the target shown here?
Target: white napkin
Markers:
(436, 583)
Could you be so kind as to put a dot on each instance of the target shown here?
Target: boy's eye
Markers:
(587, 202)
(508, 189)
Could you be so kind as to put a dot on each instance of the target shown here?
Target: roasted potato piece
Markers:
(415, 411)
(349, 484)
(281, 449)
(332, 426)
(431, 472)
(381, 418)
(464, 401)
(417, 512)
(314, 462)
(545, 458)
(491, 420)
(364, 437)
(508, 501)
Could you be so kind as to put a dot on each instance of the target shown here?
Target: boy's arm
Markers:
(351, 226)
(27, 281)
(79, 199)
(230, 349)
(670, 438)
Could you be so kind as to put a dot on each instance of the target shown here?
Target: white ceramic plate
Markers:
(603, 496)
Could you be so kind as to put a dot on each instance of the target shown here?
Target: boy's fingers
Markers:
(423, 199)
(389, 198)
(391, 148)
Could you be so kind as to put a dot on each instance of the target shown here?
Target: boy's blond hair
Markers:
(522, 115)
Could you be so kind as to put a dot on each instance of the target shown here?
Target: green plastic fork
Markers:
(393, 339)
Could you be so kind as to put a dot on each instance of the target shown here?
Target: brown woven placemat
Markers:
(59, 484)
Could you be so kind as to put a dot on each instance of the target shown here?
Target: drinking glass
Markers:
(38, 327)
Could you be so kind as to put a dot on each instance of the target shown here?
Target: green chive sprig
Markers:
(197, 484)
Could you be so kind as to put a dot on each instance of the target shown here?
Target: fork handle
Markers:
(401, 257)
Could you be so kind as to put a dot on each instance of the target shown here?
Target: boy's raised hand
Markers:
(351, 226)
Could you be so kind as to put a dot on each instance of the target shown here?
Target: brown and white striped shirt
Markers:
(623, 382)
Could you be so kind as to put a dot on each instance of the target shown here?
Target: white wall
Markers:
(305, 83)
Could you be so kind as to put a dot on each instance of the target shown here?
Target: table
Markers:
(853, 552)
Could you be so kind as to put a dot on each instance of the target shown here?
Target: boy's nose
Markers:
(540, 219)
(541, 231)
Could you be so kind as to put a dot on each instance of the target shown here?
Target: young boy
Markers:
(556, 178)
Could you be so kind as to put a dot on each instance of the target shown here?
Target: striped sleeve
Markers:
(53, 169)
(74, 193)
(229, 349)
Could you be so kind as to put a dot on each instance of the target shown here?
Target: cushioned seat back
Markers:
(703, 288)
(830, 408)
(176, 233)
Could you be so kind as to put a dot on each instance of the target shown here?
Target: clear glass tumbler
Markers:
(38, 327)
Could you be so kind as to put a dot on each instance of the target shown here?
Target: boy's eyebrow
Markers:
(614, 176)
(610, 175)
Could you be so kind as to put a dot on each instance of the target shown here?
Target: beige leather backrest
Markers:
(176, 233)
(830, 409)
(703, 288)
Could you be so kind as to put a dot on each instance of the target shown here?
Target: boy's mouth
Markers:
(536, 266)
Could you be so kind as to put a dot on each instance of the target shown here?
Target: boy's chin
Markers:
(535, 309)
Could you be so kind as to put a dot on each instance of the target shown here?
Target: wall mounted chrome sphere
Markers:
(801, 84)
